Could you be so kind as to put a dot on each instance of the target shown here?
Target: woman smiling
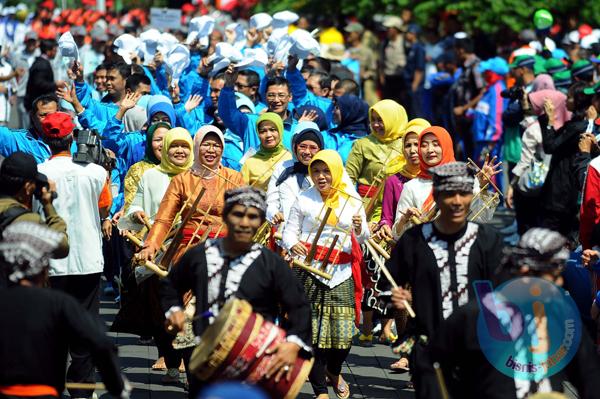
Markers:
(257, 170)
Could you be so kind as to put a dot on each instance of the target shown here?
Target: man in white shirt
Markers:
(81, 202)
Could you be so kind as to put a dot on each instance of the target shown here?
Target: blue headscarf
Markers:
(304, 131)
(160, 103)
(354, 115)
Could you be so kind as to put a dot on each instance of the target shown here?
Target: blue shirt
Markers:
(25, 141)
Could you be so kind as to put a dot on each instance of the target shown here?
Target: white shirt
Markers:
(531, 143)
(78, 187)
(303, 223)
(281, 198)
(151, 190)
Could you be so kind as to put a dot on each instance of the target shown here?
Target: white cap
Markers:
(227, 51)
(127, 45)
(260, 21)
(68, 47)
(200, 28)
(304, 44)
(167, 42)
(590, 39)
(149, 43)
(239, 39)
(282, 51)
(176, 61)
(284, 18)
(573, 37)
(254, 57)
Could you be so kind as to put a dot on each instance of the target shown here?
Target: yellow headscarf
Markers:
(175, 134)
(394, 120)
(399, 164)
(336, 166)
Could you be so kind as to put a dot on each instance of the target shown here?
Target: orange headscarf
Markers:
(447, 149)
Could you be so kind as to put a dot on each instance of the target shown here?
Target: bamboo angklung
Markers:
(172, 249)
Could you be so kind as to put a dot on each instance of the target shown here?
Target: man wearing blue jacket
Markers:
(243, 125)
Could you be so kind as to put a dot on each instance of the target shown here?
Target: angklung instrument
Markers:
(235, 346)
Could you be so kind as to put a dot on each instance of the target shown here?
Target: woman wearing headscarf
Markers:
(335, 303)
(257, 169)
(371, 154)
(532, 148)
(206, 172)
(416, 200)
(400, 170)
(177, 156)
(152, 155)
(351, 114)
(290, 177)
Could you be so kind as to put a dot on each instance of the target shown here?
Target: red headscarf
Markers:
(447, 149)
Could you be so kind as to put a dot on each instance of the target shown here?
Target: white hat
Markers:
(590, 39)
(68, 47)
(304, 44)
(200, 28)
(149, 43)
(260, 21)
(239, 40)
(333, 51)
(254, 57)
(572, 37)
(284, 18)
(176, 60)
(282, 51)
(393, 21)
(227, 51)
(126, 45)
(167, 42)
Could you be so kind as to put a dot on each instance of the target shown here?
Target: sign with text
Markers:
(165, 18)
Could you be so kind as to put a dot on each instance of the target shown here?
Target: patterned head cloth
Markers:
(452, 176)
(539, 249)
(26, 248)
(246, 196)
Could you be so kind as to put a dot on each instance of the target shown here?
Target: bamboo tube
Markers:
(329, 251)
(318, 272)
(440, 380)
(85, 385)
(488, 178)
(313, 247)
(379, 248)
(388, 275)
(156, 269)
(136, 241)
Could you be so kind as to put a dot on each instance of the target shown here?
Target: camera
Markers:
(90, 149)
(40, 183)
(514, 93)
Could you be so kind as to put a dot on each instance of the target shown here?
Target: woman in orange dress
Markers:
(206, 172)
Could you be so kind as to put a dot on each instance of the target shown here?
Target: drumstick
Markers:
(313, 248)
(388, 275)
(91, 386)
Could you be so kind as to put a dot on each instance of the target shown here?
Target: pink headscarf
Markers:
(560, 105)
(199, 137)
(543, 82)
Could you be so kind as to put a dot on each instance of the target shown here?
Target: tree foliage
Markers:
(485, 15)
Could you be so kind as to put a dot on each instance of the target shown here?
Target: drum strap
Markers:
(223, 282)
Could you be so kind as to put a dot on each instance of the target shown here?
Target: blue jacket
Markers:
(487, 116)
(23, 140)
(244, 125)
(101, 111)
(340, 142)
(233, 151)
(302, 96)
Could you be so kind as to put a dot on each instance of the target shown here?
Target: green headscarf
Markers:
(265, 153)
(149, 154)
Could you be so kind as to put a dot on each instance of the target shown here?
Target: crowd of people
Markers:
(333, 179)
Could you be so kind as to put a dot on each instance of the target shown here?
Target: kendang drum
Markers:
(234, 347)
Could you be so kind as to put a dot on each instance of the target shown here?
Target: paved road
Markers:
(366, 369)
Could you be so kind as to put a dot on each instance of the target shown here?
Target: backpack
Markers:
(9, 215)
(532, 179)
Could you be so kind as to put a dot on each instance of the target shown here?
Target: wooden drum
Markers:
(233, 348)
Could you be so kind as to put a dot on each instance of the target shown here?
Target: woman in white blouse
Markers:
(290, 177)
(177, 156)
(335, 303)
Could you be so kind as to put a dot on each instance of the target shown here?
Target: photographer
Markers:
(83, 197)
(19, 182)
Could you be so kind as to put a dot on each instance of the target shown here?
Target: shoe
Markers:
(387, 340)
(365, 340)
(171, 377)
(109, 290)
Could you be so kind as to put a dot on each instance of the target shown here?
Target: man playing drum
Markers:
(235, 266)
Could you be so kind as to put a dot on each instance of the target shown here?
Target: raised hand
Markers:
(230, 76)
(308, 116)
(66, 93)
(488, 170)
(127, 102)
(192, 102)
(292, 62)
(77, 72)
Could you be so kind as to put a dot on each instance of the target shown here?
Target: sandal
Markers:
(341, 389)
(182, 367)
(171, 377)
(400, 365)
(365, 340)
(387, 340)
(159, 364)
